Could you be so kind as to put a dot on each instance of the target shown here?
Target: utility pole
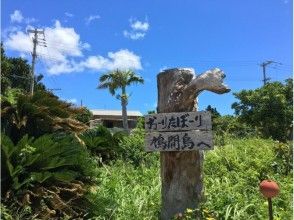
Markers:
(36, 41)
(263, 65)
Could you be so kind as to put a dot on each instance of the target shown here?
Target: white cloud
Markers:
(138, 29)
(30, 20)
(67, 14)
(18, 41)
(139, 25)
(65, 51)
(91, 18)
(16, 16)
(62, 42)
(133, 35)
(122, 59)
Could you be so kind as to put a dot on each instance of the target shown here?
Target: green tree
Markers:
(119, 79)
(213, 111)
(268, 108)
(16, 73)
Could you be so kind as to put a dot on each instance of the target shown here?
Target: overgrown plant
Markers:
(102, 142)
(46, 174)
(37, 115)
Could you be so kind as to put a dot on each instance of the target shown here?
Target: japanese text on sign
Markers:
(179, 141)
(178, 121)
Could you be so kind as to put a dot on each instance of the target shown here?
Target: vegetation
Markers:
(119, 79)
(102, 143)
(16, 73)
(232, 174)
(55, 167)
(84, 115)
(268, 108)
(45, 175)
(37, 115)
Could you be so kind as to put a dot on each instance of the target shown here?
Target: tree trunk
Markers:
(124, 109)
(181, 172)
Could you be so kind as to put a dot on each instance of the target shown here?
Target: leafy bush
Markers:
(227, 126)
(84, 115)
(133, 149)
(42, 160)
(37, 115)
(45, 175)
(101, 142)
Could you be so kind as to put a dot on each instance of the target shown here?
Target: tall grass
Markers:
(231, 177)
(128, 192)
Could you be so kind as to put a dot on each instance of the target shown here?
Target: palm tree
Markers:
(120, 79)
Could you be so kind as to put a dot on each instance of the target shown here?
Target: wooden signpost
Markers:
(180, 134)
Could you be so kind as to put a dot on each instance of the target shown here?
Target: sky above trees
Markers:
(85, 39)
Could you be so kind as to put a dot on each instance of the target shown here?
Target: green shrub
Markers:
(42, 160)
(232, 177)
(44, 175)
(133, 149)
(102, 143)
(42, 113)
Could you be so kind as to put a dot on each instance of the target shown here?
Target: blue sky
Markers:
(88, 38)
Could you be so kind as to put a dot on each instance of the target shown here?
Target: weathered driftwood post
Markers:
(181, 171)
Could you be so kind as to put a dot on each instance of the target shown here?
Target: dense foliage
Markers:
(37, 115)
(45, 171)
(84, 115)
(102, 143)
(47, 166)
(269, 109)
(232, 174)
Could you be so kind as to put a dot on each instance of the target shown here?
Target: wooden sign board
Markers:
(179, 141)
(180, 131)
(178, 121)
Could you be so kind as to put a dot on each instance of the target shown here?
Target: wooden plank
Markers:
(178, 121)
(179, 141)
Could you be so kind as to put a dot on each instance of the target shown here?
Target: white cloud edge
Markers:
(17, 17)
(138, 29)
(65, 46)
(91, 18)
(68, 14)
